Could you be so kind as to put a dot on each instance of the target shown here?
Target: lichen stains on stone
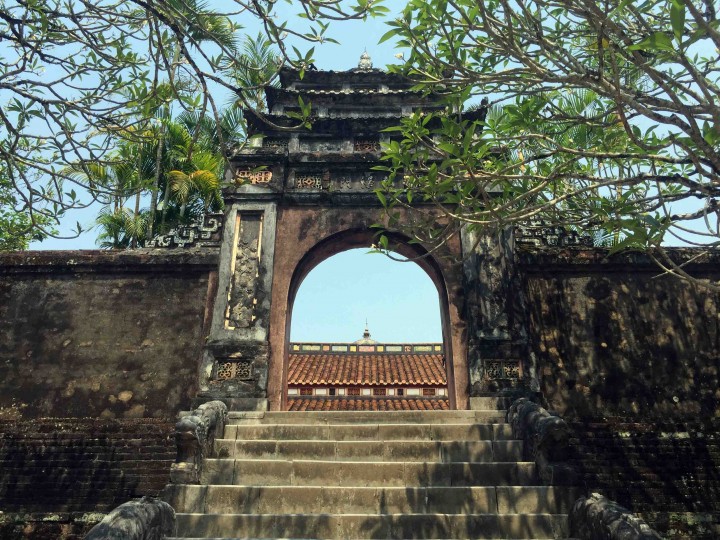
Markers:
(635, 348)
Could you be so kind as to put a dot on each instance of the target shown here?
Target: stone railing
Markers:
(141, 519)
(195, 436)
(546, 441)
(598, 518)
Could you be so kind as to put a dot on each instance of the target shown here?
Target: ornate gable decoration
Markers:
(207, 233)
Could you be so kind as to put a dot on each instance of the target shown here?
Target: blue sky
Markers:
(398, 299)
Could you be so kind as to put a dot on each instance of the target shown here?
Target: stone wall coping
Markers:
(101, 260)
(539, 260)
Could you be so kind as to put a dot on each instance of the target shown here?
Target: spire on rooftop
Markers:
(365, 62)
(365, 340)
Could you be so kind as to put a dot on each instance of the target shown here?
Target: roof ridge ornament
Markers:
(365, 63)
(366, 339)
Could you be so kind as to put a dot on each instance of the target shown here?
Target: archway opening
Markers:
(366, 333)
(399, 300)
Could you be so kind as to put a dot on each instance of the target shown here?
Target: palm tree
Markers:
(203, 182)
(215, 135)
(123, 178)
(255, 69)
(182, 161)
(120, 228)
(200, 25)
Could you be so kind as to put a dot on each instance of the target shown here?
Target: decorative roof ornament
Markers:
(366, 340)
(365, 62)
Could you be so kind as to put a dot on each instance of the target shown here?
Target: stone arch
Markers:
(359, 238)
(316, 234)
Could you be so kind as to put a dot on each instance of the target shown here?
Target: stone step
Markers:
(490, 403)
(439, 451)
(370, 432)
(372, 525)
(266, 472)
(370, 500)
(367, 417)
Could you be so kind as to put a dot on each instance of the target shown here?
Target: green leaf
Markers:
(657, 41)
(381, 196)
(677, 18)
(384, 243)
(388, 35)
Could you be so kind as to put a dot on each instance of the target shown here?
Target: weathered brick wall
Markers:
(58, 475)
(98, 353)
(82, 464)
(668, 472)
(613, 338)
(100, 334)
(631, 359)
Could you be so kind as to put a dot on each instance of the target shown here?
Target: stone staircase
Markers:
(404, 474)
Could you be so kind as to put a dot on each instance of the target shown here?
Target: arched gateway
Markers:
(300, 195)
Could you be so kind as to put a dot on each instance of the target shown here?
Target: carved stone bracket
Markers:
(195, 436)
(546, 441)
(207, 233)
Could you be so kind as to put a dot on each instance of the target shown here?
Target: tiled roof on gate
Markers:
(375, 404)
(366, 369)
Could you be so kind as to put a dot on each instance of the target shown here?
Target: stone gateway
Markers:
(566, 378)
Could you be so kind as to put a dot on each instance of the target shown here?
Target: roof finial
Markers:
(365, 62)
(366, 339)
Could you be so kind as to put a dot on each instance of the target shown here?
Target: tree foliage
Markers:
(79, 78)
(598, 115)
(16, 231)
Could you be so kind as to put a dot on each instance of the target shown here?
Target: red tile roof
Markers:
(367, 404)
(366, 369)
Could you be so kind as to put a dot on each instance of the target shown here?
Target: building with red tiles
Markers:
(367, 375)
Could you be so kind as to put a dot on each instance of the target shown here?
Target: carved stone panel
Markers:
(356, 181)
(276, 142)
(494, 309)
(245, 272)
(309, 180)
(250, 176)
(539, 234)
(231, 368)
(366, 145)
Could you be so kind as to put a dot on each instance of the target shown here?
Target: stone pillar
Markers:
(234, 366)
(498, 356)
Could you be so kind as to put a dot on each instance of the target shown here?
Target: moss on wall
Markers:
(616, 339)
